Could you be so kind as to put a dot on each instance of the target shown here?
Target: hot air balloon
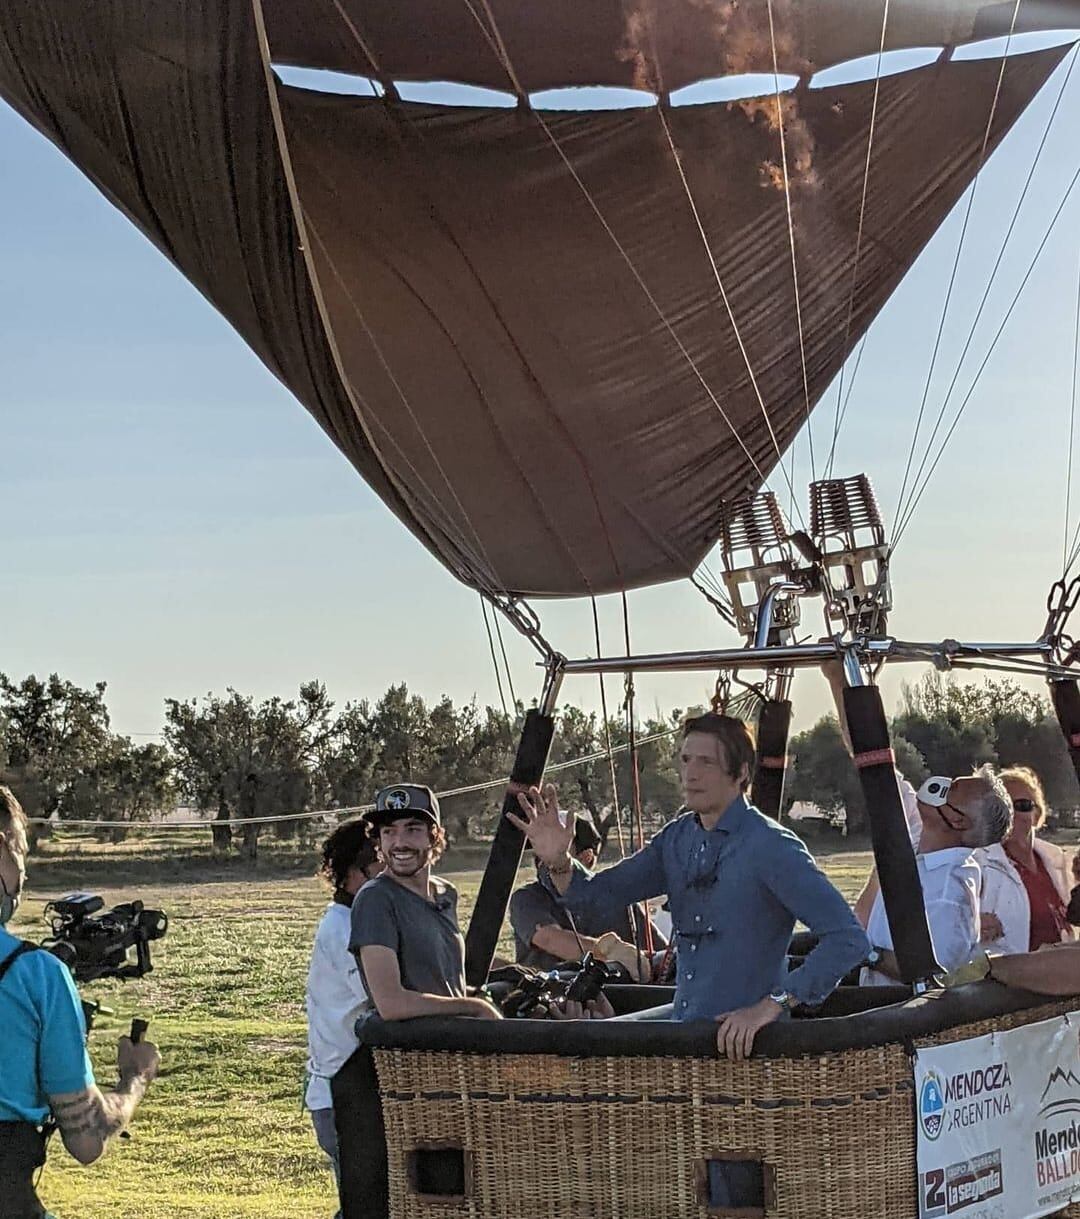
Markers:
(568, 349)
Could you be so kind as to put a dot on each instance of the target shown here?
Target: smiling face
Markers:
(406, 846)
(707, 782)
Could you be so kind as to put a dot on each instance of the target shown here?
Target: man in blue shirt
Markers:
(44, 1067)
(736, 881)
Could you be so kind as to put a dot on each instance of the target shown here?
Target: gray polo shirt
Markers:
(424, 934)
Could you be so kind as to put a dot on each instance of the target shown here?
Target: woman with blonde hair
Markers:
(1034, 868)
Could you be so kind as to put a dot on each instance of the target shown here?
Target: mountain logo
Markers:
(1061, 1094)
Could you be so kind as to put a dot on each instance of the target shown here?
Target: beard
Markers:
(408, 865)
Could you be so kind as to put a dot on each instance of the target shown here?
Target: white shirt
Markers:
(1003, 894)
(950, 884)
(334, 1000)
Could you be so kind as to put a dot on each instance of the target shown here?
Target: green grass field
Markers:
(221, 1134)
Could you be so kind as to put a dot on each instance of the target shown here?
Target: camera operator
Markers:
(44, 1067)
(545, 934)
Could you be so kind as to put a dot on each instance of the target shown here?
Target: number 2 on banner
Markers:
(934, 1195)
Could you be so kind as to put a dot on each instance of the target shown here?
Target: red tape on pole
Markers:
(774, 763)
(875, 757)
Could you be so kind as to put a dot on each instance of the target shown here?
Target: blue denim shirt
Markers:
(735, 893)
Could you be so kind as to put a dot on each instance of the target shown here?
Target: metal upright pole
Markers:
(505, 857)
(1066, 699)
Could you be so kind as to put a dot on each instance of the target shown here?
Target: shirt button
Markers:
(693, 948)
(702, 847)
(685, 1003)
(690, 976)
(697, 918)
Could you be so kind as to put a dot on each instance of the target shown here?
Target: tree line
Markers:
(234, 757)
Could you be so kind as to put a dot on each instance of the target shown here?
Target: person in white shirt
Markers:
(335, 995)
(1021, 866)
(973, 812)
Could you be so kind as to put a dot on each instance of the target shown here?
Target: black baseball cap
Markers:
(585, 836)
(402, 800)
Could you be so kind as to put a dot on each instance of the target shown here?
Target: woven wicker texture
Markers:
(620, 1138)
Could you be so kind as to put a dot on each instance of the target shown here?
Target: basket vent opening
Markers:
(737, 1184)
(441, 1173)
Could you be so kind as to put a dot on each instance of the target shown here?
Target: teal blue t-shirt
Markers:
(43, 1045)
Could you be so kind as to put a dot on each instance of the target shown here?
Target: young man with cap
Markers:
(404, 922)
(957, 818)
(545, 934)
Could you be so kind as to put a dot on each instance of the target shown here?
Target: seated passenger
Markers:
(545, 934)
(1042, 868)
(973, 812)
(1072, 912)
(404, 922)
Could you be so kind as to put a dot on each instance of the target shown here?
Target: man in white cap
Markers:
(404, 922)
(957, 817)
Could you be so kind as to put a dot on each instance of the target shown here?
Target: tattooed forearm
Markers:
(88, 1119)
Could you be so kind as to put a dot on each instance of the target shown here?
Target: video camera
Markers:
(535, 994)
(94, 945)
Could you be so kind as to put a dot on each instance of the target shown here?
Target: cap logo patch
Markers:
(397, 799)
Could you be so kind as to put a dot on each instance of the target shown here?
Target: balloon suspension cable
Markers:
(616, 804)
(711, 257)
(900, 504)
(841, 410)
(910, 512)
(1067, 558)
(635, 775)
(522, 616)
(781, 125)
(902, 519)
(495, 666)
(490, 32)
(506, 666)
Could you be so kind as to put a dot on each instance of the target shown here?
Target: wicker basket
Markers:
(549, 1137)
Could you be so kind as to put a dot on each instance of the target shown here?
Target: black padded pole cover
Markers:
(895, 859)
(770, 766)
(1066, 699)
(505, 857)
(358, 1117)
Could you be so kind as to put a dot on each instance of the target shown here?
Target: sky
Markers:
(175, 523)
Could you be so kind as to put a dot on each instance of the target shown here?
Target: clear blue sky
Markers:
(176, 523)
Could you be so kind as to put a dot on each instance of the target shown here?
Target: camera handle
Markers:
(138, 1031)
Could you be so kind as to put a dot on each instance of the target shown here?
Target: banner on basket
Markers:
(998, 1123)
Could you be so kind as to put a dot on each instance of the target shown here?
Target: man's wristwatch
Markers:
(784, 1000)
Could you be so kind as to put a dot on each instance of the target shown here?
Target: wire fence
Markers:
(328, 814)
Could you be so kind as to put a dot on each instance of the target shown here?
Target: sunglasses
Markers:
(1023, 805)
